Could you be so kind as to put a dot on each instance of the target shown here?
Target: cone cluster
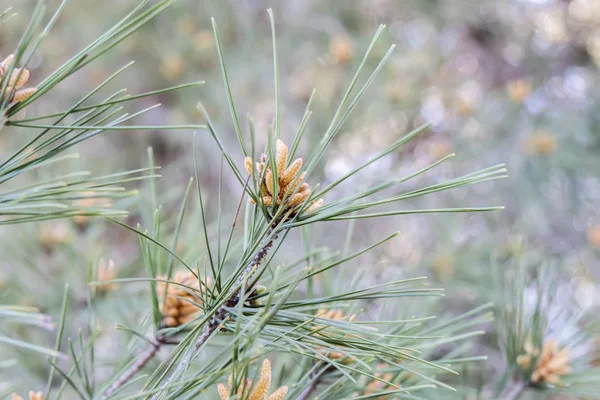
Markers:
(335, 315)
(32, 396)
(258, 392)
(179, 304)
(376, 386)
(291, 190)
(18, 78)
(342, 49)
(519, 89)
(542, 143)
(89, 200)
(106, 272)
(54, 234)
(552, 362)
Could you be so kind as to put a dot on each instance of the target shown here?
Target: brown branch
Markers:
(134, 368)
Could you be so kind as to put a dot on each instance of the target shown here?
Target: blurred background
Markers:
(510, 81)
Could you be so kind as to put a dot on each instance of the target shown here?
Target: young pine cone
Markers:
(290, 188)
(32, 396)
(180, 304)
(551, 365)
(18, 78)
(259, 392)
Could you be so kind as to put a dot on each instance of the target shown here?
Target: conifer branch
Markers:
(146, 356)
(316, 379)
(234, 296)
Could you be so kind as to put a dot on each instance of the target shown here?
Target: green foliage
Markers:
(24, 197)
(59, 196)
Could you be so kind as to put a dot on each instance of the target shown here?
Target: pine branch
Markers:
(308, 391)
(311, 387)
(146, 356)
(233, 298)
